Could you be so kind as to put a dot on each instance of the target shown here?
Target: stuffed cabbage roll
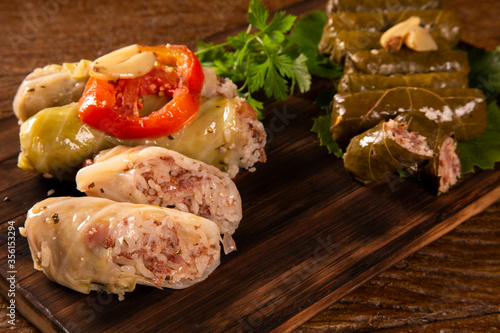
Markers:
(380, 5)
(444, 169)
(405, 61)
(162, 177)
(461, 111)
(58, 85)
(383, 150)
(97, 244)
(363, 82)
(358, 40)
(52, 85)
(225, 133)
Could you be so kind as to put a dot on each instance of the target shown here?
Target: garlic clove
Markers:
(78, 70)
(393, 38)
(419, 39)
(126, 63)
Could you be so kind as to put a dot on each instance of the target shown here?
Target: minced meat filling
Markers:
(161, 258)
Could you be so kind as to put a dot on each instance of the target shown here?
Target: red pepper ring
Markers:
(113, 106)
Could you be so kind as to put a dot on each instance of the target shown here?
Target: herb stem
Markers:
(212, 47)
(263, 46)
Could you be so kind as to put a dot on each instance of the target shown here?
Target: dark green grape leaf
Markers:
(483, 152)
(485, 71)
(322, 128)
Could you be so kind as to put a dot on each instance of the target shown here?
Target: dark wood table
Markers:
(450, 285)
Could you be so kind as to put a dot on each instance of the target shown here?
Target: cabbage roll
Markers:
(380, 5)
(363, 82)
(358, 40)
(58, 85)
(163, 177)
(406, 61)
(90, 244)
(461, 111)
(225, 133)
(387, 148)
(444, 170)
(52, 85)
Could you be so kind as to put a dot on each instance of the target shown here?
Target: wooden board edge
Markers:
(28, 310)
(416, 244)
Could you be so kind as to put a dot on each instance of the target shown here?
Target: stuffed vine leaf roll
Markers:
(380, 5)
(444, 169)
(348, 41)
(384, 149)
(461, 111)
(380, 62)
(363, 82)
(358, 40)
(442, 23)
(90, 244)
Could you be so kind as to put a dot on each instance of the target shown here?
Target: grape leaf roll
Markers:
(443, 171)
(444, 22)
(385, 149)
(347, 32)
(90, 244)
(461, 111)
(380, 5)
(359, 40)
(405, 61)
(363, 82)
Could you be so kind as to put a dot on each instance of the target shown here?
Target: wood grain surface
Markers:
(451, 285)
(310, 235)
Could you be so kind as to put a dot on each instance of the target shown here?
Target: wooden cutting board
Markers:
(309, 235)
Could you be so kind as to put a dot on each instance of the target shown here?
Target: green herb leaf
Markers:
(257, 14)
(275, 83)
(483, 152)
(302, 73)
(322, 128)
(305, 36)
(259, 60)
(308, 30)
(257, 74)
(280, 24)
(284, 65)
(322, 123)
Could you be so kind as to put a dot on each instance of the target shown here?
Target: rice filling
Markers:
(163, 182)
(154, 250)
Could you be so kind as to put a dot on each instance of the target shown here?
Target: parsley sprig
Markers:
(259, 58)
